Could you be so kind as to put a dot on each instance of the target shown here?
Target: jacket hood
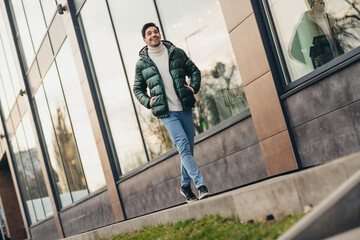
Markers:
(144, 51)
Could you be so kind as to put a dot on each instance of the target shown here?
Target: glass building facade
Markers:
(111, 45)
(76, 137)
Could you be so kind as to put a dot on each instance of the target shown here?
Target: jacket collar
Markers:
(144, 51)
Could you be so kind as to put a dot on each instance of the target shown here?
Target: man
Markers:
(314, 42)
(163, 68)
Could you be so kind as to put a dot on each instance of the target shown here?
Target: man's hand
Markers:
(190, 88)
(152, 99)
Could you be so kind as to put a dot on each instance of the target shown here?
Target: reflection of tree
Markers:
(69, 155)
(221, 96)
(346, 30)
(158, 140)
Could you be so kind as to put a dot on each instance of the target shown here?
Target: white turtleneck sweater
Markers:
(160, 57)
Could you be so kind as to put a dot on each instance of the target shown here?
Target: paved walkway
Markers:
(278, 196)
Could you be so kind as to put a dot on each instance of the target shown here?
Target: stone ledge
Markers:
(277, 196)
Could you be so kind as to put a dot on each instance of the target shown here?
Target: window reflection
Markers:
(314, 32)
(49, 9)
(156, 137)
(108, 71)
(25, 39)
(80, 118)
(30, 137)
(64, 135)
(23, 180)
(31, 179)
(57, 168)
(35, 21)
(202, 33)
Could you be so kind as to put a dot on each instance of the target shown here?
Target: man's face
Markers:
(319, 5)
(152, 37)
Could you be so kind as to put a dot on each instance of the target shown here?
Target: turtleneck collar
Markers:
(156, 51)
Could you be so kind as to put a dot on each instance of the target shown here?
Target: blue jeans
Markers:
(180, 126)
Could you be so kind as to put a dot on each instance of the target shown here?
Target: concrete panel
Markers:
(238, 136)
(210, 150)
(173, 215)
(278, 197)
(92, 213)
(45, 230)
(216, 176)
(314, 185)
(338, 213)
(265, 107)
(354, 110)
(328, 137)
(325, 96)
(278, 154)
(154, 175)
(246, 166)
(212, 206)
(235, 12)
(153, 199)
(249, 50)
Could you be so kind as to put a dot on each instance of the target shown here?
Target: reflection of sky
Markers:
(23, 30)
(80, 119)
(48, 132)
(112, 82)
(205, 32)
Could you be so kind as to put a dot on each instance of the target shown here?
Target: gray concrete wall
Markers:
(45, 230)
(228, 159)
(325, 117)
(93, 212)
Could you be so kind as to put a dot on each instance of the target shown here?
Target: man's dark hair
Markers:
(146, 26)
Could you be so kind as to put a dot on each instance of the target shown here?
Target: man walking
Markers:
(163, 68)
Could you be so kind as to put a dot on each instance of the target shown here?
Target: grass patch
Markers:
(213, 227)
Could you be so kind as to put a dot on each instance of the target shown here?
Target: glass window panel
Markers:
(23, 31)
(64, 135)
(111, 79)
(9, 55)
(201, 32)
(49, 9)
(6, 79)
(311, 36)
(30, 137)
(23, 180)
(35, 20)
(129, 36)
(57, 168)
(30, 173)
(3, 100)
(80, 118)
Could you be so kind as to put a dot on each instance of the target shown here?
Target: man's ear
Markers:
(144, 40)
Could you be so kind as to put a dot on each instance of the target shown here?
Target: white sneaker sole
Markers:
(204, 195)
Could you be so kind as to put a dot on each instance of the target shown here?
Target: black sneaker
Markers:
(203, 192)
(188, 194)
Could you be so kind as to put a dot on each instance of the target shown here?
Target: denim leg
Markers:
(188, 125)
(176, 127)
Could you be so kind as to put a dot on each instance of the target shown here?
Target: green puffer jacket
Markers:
(147, 75)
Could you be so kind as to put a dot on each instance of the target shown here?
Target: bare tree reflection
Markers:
(221, 96)
(347, 29)
(69, 155)
(158, 140)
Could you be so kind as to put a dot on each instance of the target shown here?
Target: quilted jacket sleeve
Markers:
(140, 86)
(192, 72)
